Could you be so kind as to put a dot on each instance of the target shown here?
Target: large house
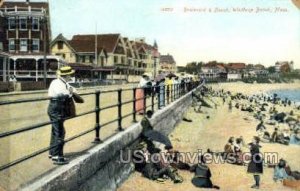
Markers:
(213, 70)
(25, 34)
(284, 66)
(167, 64)
(104, 56)
(148, 54)
(235, 71)
(257, 70)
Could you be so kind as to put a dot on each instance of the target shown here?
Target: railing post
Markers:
(172, 93)
(134, 105)
(178, 89)
(168, 93)
(120, 109)
(97, 112)
(152, 98)
(145, 100)
(158, 96)
(176, 92)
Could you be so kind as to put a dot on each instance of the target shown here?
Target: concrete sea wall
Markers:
(101, 168)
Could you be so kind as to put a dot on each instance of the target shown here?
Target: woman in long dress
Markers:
(162, 93)
(140, 93)
(255, 166)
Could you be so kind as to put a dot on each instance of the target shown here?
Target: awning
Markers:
(104, 69)
(80, 67)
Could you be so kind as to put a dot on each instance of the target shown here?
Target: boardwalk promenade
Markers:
(17, 116)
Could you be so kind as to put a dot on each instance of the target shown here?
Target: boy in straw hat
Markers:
(59, 92)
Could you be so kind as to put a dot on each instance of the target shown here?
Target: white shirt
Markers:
(143, 82)
(60, 87)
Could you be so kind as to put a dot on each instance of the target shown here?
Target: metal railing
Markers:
(27, 73)
(165, 95)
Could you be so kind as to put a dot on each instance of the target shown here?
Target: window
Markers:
(102, 60)
(11, 23)
(11, 45)
(122, 60)
(35, 45)
(83, 59)
(62, 55)
(115, 59)
(35, 24)
(91, 58)
(60, 45)
(23, 45)
(23, 23)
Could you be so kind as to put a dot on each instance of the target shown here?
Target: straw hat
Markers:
(146, 74)
(66, 70)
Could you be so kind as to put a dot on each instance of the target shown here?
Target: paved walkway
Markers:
(22, 115)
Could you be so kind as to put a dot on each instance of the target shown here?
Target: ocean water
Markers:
(293, 95)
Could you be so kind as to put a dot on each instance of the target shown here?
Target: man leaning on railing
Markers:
(61, 106)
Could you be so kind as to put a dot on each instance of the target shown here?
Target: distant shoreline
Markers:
(257, 88)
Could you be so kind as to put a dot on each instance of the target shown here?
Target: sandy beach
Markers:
(250, 89)
(213, 133)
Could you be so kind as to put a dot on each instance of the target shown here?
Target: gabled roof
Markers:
(129, 51)
(135, 50)
(236, 66)
(60, 37)
(167, 59)
(214, 64)
(144, 45)
(86, 43)
(220, 66)
(259, 66)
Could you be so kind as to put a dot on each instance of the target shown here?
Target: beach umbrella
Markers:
(158, 137)
(265, 104)
(171, 75)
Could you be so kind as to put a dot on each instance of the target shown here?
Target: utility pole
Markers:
(45, 51)
(96, 44)
(155, 57)
(96, 54)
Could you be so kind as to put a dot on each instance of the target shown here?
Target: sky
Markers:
(249, 37)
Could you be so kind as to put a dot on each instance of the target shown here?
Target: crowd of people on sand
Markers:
(271, 111)
(160, 163)
(263, 108)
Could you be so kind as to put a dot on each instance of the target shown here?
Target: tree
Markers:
(194, 67)
(285, 68)
(271, 69)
